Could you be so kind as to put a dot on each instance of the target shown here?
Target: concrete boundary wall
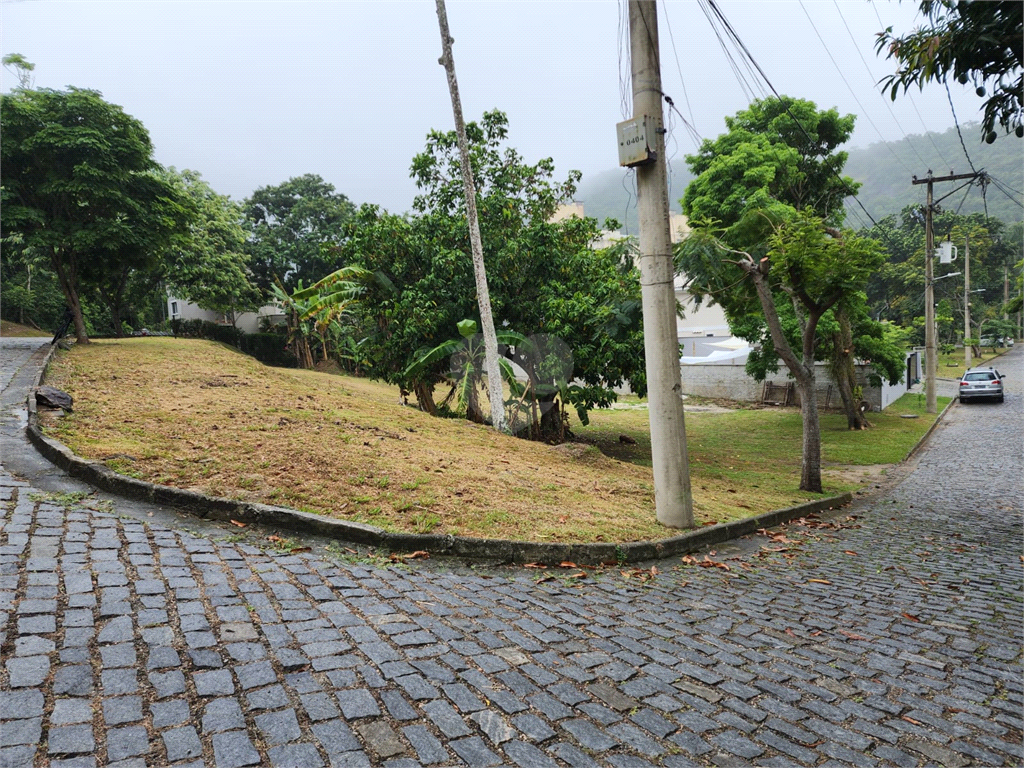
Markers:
(731, 382)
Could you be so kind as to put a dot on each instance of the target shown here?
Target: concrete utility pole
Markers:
(672, 495)
(931, 363)
(1006, 290)
(967, 300)
(494, 390)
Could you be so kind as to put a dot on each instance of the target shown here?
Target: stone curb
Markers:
(500, 550)
(920, 443)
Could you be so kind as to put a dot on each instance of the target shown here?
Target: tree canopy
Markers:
(766, 245)
(806, 267)
(782, 155)
(290, 228)
(894, 291)
(544, 277)
(80, 188)
(208, 266)
(978, 42)
(778, 150)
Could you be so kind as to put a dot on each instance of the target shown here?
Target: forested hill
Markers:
(886, 182)
(613, 194)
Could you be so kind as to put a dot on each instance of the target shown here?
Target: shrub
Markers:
(268, 348)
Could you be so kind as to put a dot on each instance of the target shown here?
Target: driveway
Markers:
(887, 634)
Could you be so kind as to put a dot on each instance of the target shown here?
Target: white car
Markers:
(982, 384)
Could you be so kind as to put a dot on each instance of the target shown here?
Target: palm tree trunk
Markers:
(492, 367)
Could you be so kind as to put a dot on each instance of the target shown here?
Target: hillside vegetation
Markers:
(887, 186)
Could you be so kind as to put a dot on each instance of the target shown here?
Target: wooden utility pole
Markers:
(931, 363)
(494, 390)
(672, 495)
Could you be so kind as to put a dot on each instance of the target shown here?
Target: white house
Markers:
(249, 322)
(694, 324)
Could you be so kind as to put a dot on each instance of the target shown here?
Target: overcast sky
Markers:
(252, 92)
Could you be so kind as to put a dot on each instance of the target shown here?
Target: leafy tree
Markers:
(290, 227)
(31, 294)
(21, 67)
(815, 268)
(974, 42)
(544, 278)
(779, 150)
(78, 186)
(896, 291)
(130, 262)
(320, 308)
(208, 266)
(779, 155)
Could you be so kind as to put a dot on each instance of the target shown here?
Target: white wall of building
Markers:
(249, 322)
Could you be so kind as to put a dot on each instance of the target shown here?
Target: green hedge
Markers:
(268, 348)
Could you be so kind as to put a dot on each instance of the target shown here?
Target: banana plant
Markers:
(337, 290)
(466, 354)
(314, 310)
(296, 314)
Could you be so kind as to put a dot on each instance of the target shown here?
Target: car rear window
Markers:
(979, 377)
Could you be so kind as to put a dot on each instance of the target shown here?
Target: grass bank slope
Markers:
(195, 414)
(9, 328)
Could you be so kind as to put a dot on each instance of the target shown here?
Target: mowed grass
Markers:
(748, 460)
(195, 414)
(951, 365)
(9, 328)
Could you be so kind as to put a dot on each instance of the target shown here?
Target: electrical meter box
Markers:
(635, 139)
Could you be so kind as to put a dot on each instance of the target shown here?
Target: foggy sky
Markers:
(250, 93)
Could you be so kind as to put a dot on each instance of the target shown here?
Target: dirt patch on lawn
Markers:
(865, 475)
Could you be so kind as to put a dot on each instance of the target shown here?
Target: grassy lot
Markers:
(195, 414)
(951, 366)
(7, 328)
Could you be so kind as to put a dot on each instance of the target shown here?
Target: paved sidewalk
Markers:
(890, 634)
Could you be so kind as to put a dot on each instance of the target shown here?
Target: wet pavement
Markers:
(888, 633)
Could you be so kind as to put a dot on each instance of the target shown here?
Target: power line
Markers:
(963, 200)
(1003, 183)
(913, 103)
(1004, 189)
(693, 131)
(850, 89)
(746, 87)
(950, 194)
(679, 68)
(871, 75)
(957, 124)
(782, 101)
(625, 91)
(631, 173)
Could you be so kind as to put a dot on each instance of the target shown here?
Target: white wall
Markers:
(249, 322)
(732, 383)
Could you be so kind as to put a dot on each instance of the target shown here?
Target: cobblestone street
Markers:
(886, 633)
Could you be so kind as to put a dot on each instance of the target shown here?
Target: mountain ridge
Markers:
(884, 169)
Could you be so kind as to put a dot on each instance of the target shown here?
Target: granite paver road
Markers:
(887, 634)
